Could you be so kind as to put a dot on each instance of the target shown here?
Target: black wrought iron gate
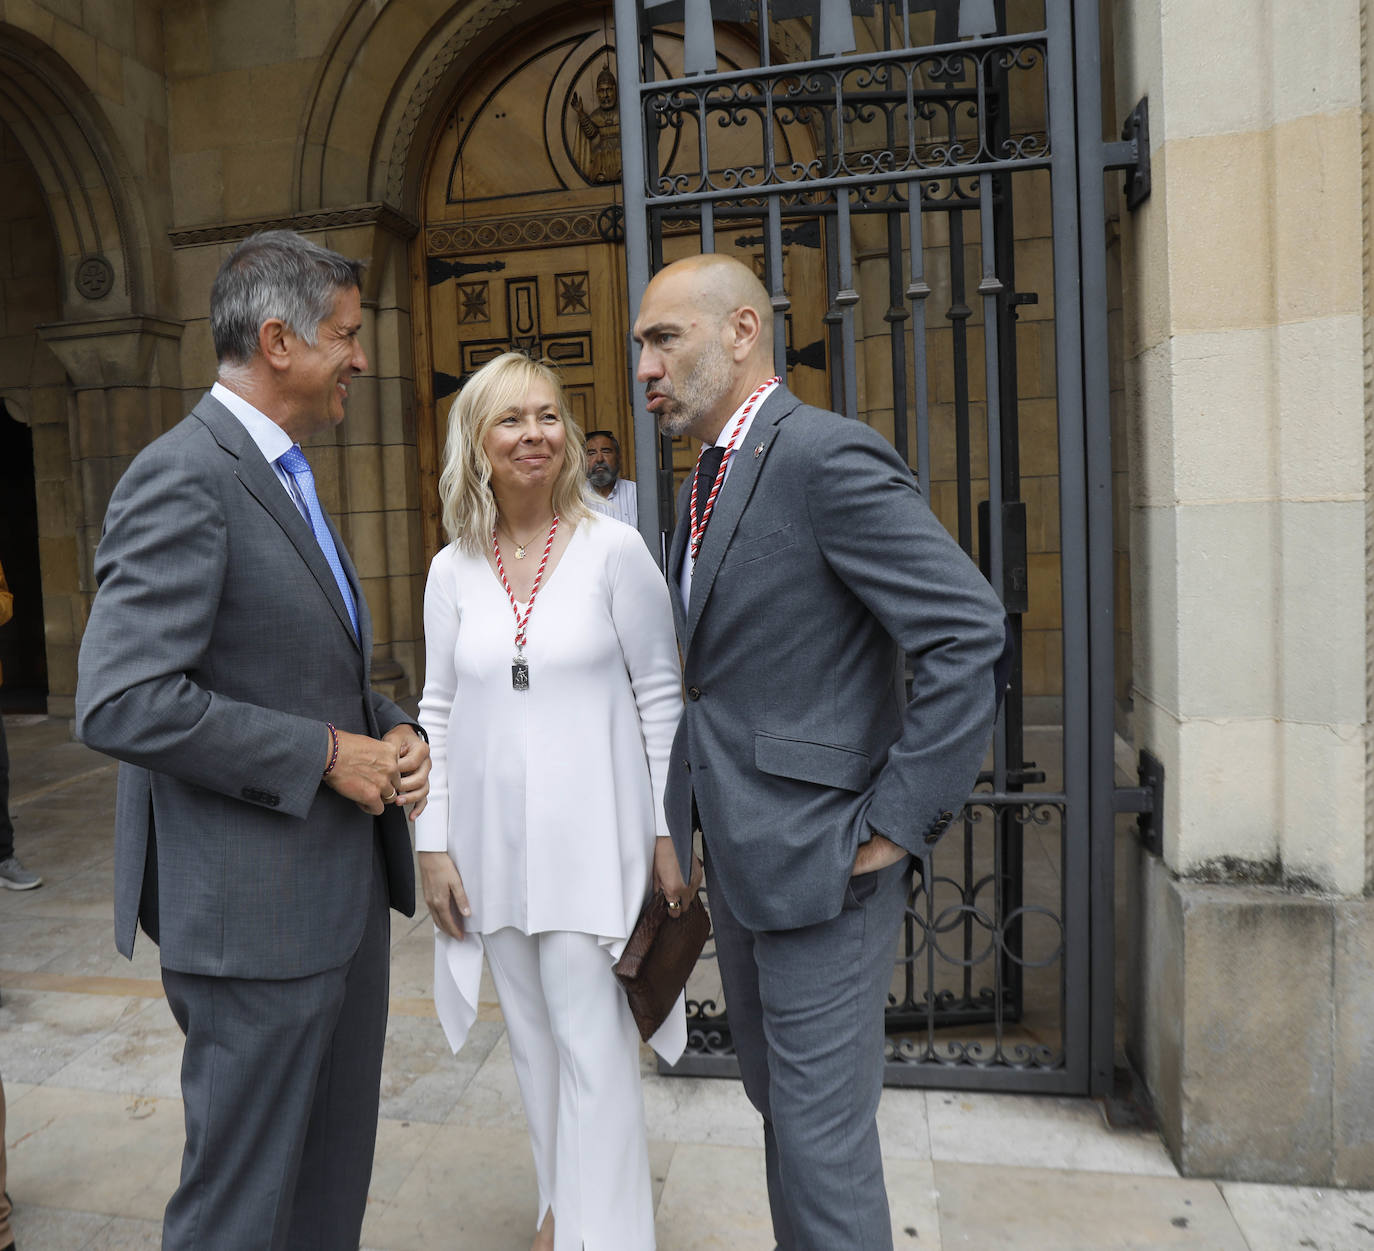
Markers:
(893, 168)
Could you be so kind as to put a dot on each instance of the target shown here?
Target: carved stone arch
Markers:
(376, 82)
(65, 136)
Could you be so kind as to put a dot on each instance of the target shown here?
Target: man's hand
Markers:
(877, 853)
(668, 877)
(445, 897)
(367, 771)
(413, 758)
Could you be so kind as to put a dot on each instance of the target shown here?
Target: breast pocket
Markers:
(747, 551)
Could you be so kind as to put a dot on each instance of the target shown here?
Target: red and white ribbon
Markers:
(699, 527)
(521, 622)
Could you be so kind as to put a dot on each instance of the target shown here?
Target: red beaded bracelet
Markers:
(333, 748)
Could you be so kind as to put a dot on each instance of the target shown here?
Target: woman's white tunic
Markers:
(549, 799)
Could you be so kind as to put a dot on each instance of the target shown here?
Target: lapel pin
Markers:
(758, 451)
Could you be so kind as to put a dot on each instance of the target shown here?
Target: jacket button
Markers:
(946, 817)
(933, 837)
(687, 764)
(694, 692)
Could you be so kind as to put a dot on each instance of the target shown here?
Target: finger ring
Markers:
(386, 799)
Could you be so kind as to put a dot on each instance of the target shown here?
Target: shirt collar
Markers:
(724, 436)
(272, 441)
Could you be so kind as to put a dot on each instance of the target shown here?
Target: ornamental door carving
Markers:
(521, 239)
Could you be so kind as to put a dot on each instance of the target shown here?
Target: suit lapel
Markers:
(746, 463)
(262, 483)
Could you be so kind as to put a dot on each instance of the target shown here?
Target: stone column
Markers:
(1254, 937)
(124, 375)
(367, 467)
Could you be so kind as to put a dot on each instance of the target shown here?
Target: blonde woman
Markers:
(551, 698)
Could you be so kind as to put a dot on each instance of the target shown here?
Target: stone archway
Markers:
(90, 372)
(104, 257)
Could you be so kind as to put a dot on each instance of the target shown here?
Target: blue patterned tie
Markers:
(298, 467)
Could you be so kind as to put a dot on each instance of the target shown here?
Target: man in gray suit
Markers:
(804, 567)
(260, 829)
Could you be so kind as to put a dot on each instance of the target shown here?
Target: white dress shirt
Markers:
(622, 503)
(271, 440)
(549, 799)
(723, 438)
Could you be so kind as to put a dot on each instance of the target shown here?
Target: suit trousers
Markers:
(280, 1081)
(806, 1015)
(575, 1050)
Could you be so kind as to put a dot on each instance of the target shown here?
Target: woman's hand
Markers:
(668, 876)
(444, 894)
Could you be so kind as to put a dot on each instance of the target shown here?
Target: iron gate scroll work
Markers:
(916, 154)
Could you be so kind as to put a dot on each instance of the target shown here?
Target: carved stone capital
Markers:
(117, 351)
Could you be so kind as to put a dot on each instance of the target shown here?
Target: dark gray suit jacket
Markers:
(821, 566)
(218, 646)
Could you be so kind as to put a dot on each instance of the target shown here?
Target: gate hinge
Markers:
(1146, 801)
(1133, 154)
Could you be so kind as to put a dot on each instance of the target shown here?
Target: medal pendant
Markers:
(519, 552)
(520, 674)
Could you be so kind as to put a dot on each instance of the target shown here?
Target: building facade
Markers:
(469, 153)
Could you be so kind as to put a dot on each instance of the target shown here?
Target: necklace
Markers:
(519, 666)
(521, 548)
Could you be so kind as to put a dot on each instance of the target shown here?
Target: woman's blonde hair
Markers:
(469, 507)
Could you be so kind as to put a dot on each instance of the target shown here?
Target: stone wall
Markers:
(184, 124)
(1245, 367)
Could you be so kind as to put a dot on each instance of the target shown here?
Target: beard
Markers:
(602, 476)
(702, 389)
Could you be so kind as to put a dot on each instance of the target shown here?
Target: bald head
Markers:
(705, 330)
(722, 284)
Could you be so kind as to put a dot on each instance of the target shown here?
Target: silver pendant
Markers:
(519, 674)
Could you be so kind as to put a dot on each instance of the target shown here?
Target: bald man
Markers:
(804, 568)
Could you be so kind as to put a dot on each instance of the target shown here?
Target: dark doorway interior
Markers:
(22, 653)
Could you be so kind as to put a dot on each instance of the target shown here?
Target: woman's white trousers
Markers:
(576, 1054)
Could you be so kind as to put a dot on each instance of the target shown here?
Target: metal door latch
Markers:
(1146, 801)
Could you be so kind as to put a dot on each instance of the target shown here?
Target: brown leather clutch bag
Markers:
(659, 958)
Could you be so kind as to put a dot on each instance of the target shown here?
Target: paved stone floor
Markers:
(89, 1056)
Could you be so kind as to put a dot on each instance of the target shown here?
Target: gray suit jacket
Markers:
(821, 566)
(218, 646)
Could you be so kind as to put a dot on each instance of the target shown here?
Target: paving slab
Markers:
(412, 965)
(1302, 1218)
(993, 1208)
(38, 1228)
(125, 1234)
(704, 1110)
(44, 1032)
(469, 1187)
(422, 1080)
(139, 1055)
(715, 1198)
(401, 1145)
(92, 1151)
(1041, 1131)
(904, 1124)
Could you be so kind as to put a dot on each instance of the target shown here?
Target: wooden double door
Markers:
(565, 304)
